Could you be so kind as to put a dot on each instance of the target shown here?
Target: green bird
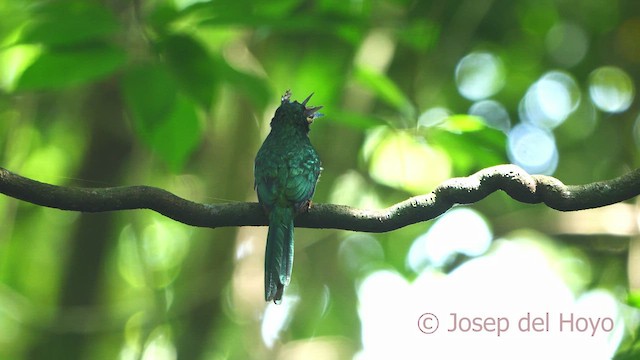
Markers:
(286, 171)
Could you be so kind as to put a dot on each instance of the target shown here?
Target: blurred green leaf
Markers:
(538, 17)
(192, 66)
(357, 121)
(180, 133)
(420, 34)
(284, 17)
(402, 160)
(163, 118)
(469, 152)
(55, 69)
(463, 123)
(630, 354)
(150, 93)
(633, 299)
(275, 8)
(385, 89)
(68, 22)
(256, 89)
(161, 16)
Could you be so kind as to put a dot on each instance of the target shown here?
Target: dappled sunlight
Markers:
(459, 231)
(164, 245)
(154, 259)
(238, 55)
(351, 188)
(192, 187)
(134, 336)
(48, 164)
(35, 152)
(617, 219)
(245, 301)
(14, 61)
(147, 344)
(159, 345)
(15, 311)
(515, 280)
(319, 348)
(276, 318)
(246, 297)
(359, 254)
(129, 263)
(375, 51)
(179, 94)
(400, 160)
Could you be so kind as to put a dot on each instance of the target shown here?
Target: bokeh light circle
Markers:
(611, 89)
(532, 148)
(492, 113)
(433, 116)
(550, 100)
(567, 43)
(446, 238)
(479, 75)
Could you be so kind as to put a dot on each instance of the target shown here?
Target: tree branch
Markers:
(511, 179)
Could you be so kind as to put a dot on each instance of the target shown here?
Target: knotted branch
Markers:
(511, 179)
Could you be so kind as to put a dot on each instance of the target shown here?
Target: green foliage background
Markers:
(178, 95)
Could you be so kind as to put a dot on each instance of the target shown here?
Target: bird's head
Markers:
(294, 113)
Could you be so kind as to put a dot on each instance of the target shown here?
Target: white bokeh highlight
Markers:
(446, 238)
(611, 89)
(479, 75)
(533, 149)
(515, 279)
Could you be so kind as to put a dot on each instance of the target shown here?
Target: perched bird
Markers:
(286, 171)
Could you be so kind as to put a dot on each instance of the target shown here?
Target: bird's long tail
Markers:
(278, 259)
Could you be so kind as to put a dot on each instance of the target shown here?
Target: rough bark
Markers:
(509, 178)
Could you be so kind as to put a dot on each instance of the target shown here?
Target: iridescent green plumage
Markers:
(286, 172)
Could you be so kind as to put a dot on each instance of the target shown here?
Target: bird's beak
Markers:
(312, 114)
(304, 103)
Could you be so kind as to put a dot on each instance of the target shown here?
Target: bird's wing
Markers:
(301, 182)
(266, 182)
